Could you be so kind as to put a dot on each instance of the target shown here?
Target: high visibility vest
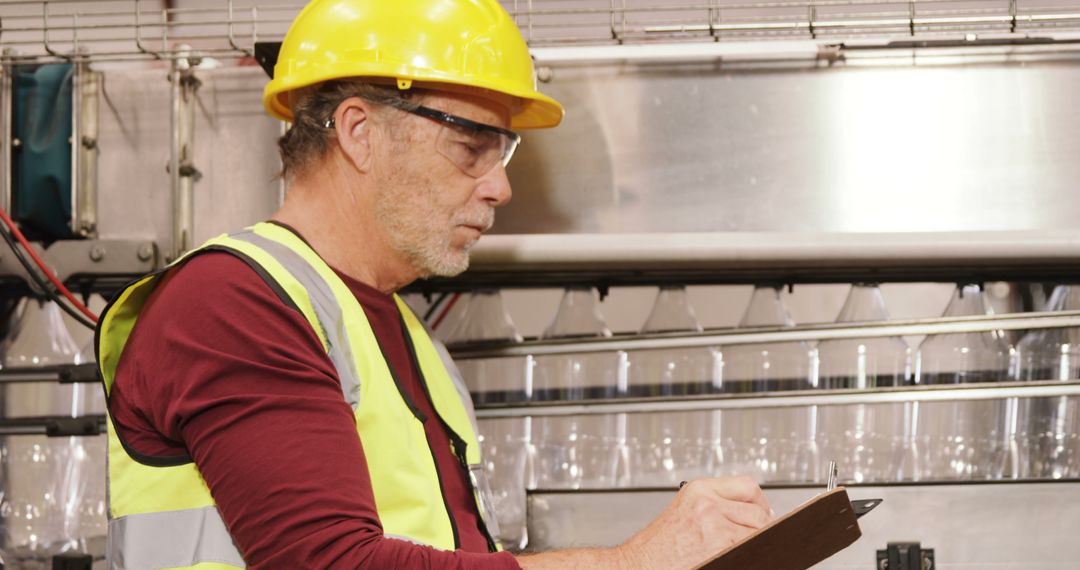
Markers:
(161, 514)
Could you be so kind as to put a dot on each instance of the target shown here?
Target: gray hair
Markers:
(308, 139)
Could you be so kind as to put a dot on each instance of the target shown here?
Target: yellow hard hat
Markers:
(471, 43)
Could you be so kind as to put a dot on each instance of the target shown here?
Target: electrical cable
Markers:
(44, 268)
(435, 306)
(42, 284)
(446, 311)
(76, 310)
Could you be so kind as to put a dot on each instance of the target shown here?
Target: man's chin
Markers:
(448, 266)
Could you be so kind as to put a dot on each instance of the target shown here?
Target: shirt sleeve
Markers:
(219, 364)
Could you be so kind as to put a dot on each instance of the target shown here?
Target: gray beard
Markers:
(426, 247)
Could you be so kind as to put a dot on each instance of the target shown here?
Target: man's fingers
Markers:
(749, 515)
(742, 489)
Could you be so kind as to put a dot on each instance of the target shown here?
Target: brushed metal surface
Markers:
(234, 150)
(718, 147)
(998, 526)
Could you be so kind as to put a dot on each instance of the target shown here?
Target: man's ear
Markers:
(353, 126)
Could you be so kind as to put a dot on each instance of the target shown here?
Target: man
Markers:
(273, 404)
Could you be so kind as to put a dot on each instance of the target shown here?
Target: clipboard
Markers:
(800, 539)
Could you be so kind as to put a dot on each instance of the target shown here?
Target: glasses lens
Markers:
(475, 151)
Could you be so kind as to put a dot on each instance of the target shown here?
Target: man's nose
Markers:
(494, 187)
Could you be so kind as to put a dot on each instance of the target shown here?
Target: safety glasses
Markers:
(473, 147)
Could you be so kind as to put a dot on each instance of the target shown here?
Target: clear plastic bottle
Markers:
(666, 448)
(865, 440)
(863, 363)
(964, 358)
(767, 367)
(1051, 443)
(772, 444)
(966, 439)
(48, 480)
(579, 451)
(484, 319)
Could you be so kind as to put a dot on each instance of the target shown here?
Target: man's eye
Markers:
(470, 152)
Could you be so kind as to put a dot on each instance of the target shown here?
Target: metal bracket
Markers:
(88, 259)
(54, 426)
(863, 506)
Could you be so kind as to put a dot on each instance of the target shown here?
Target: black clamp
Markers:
(905, 556)
(68, 427)
(78, 374)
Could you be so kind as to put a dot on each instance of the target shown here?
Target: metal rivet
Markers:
(97, 253)
(545, 74)
(146, 251)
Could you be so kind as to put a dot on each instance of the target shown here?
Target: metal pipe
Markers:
(790, 399)
(182, 171)
(832, 331)
(7, 132)
(753, 250)
(138, 33)
(232, 38)
(87, 88)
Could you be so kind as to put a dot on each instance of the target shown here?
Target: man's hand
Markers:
(706, 517)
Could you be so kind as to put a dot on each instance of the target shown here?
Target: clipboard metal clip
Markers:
(861, 506)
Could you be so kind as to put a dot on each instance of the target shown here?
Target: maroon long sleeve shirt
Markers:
(220, 369)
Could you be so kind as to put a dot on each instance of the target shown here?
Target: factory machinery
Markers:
(707, 143)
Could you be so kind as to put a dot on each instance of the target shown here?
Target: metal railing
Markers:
(792, 399)
(142, 29)
(548, 22)
(731, 337)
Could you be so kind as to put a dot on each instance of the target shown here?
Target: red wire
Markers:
(44, 269)
(446, 311)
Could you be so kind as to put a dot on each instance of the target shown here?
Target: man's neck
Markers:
(343, 232)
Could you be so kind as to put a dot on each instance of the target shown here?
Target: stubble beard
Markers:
(423, 235)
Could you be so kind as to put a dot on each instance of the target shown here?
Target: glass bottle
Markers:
(1051, 439)
(965, 439)
(579, 451)
(666, 448)
(865, 440)
(771, 444)
(505, 445)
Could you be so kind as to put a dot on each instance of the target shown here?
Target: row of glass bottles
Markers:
(881, 442)
(52, 490)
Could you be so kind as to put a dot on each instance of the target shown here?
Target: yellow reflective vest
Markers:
(161, 514)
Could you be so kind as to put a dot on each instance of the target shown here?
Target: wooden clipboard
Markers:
(798, 540)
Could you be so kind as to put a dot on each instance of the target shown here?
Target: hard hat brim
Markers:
(538, 111)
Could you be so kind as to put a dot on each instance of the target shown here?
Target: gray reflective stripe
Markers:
(172, 539)
(408, 539)
(327, 310)
(455, 375)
